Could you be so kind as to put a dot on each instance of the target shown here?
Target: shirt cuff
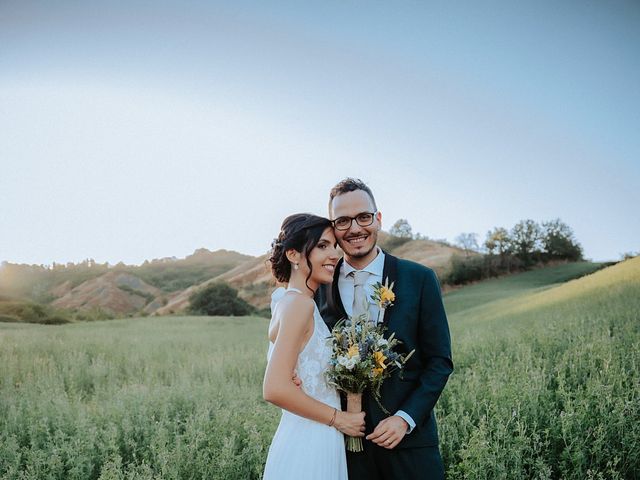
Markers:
(405, 416)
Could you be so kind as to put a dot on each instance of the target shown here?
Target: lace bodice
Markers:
(314, 359)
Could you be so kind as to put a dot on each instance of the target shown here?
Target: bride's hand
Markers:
(351, 424)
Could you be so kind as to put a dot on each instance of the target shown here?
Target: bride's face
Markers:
(323, 259)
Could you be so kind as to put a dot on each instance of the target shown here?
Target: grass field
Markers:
(547, 385)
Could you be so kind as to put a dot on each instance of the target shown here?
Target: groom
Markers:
(405, 444)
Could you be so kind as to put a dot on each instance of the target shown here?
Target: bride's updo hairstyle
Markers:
(302, 232)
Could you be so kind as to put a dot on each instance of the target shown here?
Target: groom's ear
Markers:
(379, 218)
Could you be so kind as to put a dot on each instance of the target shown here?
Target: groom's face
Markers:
(358, 241)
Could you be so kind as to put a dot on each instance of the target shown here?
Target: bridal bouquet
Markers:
(362, 358)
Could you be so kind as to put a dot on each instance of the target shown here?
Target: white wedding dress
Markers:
(302, 448)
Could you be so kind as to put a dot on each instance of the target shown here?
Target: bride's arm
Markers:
(296, 319)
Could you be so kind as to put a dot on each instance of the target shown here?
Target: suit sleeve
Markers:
(433, 349)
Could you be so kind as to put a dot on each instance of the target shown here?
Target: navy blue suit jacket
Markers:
(419, 321)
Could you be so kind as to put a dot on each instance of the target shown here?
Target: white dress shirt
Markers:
(346, 288)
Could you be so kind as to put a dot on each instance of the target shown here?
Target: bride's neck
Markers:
(300, 283)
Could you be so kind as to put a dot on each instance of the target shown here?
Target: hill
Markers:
(115, 292)
(252, 279)
(163, 286)
(254, 282)
(435, 255)
(546, 380)
(173, 275)
(41, 282)
(494, 289)
(88, 285)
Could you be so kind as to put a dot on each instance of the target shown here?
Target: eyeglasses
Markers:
(363, 219)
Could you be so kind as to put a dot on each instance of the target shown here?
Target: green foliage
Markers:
(34, 282)
(171, 278)
(528, 244)
(498, 241)
(399, 234)
(478, 267)
(545, 387)
(545, 384)
(218, 299)
(525, 240)
(512, 286)
(263, 312)
(149, 297)
(29, 312)
(558, 241)
(139, 398)
(401, 229)
(390, 242)
(93, 314)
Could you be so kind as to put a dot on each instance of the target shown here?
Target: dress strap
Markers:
(292, 289)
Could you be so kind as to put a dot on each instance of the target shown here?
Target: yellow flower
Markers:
(386, 295)
(380, 358)
(353, 351)
(377, 371)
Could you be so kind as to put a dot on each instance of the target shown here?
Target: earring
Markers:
(295, 266)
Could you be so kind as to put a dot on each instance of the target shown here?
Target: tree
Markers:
(498, 241)
(401, 229)
(468, 242)
(525, 240)
(558, 241)
(218, 299)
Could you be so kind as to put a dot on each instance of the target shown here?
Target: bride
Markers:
(309, 440)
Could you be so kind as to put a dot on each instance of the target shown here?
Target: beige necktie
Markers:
(360, 301)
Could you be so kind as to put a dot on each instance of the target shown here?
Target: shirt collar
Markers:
(376, 266)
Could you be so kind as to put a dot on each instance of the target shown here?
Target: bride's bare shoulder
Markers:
(295, 305)
(293, 312)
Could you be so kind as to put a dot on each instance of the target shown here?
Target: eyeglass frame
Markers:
(373, 217)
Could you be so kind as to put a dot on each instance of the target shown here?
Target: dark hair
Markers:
(350, 185)
(302, 232)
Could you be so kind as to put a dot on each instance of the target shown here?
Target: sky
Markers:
(138, 130)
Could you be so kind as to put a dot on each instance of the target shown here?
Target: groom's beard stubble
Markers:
(363, 253)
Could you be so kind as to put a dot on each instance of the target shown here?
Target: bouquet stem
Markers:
(354, 405)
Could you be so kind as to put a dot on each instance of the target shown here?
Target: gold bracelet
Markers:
(333, 419)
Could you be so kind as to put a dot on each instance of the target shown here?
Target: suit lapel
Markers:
(333, 295)
(390, 272)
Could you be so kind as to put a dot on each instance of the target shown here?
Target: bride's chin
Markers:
(324, 280)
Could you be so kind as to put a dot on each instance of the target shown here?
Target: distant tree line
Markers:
(527, 244)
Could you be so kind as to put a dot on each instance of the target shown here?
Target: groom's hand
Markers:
(389, 432)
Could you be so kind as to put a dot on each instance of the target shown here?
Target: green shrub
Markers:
(9, 318)
(479, 267)
(219, 299)
(149, 297)
(28, 312)
(263, 312)
(93, 314)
